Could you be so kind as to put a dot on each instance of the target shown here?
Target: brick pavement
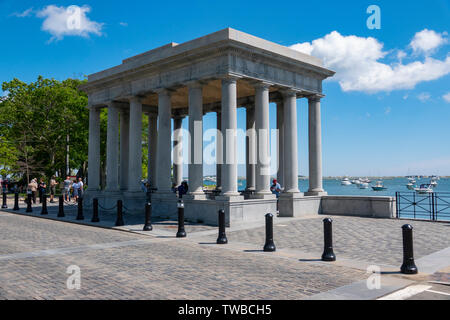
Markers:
(154, 269)
(34, 255)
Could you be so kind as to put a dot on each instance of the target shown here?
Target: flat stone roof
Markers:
(226, 35)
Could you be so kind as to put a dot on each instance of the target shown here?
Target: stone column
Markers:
(315, 148)
(177, 151)
(219, 151)
(290, 142)
(280, 128)
(152, 148)
(112, 149)
(94, 150)
(135, 146)
(124, 148)
(229, 132)
(262, 176)
(163, 155)
(250, 148)
(196, 143)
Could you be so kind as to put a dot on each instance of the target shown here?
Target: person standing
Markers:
(32, 186)
(67, 184)
(81, 190)
(76, 191)
(275, 188)
(53, 184)
(42, 190)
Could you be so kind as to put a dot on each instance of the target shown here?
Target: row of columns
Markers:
(160, 144)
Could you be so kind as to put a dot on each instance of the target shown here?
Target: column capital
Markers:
(261, 84)
(195, 84)
(164, 91)
(288, 92)
(137, 99)
(315, 97)
(230, 78)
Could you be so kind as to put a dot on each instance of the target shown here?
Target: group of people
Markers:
(71, 189)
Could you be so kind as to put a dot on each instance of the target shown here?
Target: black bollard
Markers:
(181, 232)
(148, 217)
(61, 207)
(44, 204)
(269, 246)
(80, 209)
(29, 207)
(408, 266)
(222, 238)
(95, 217)
(16, 201)
(328, 254)
(119, 221)
(4, 205)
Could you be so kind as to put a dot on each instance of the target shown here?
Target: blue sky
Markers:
(385, 112)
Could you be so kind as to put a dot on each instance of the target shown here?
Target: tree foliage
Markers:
(35, 120)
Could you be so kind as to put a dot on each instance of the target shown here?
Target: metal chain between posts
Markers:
(106, 209)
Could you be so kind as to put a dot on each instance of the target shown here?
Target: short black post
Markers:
(222, 238)
(119, 221)
(44, 204)
(16, 201)
(80, 209)
(269, 246)
(148, 217)
(181, 233)
(408, 266)
(4, 205)
(29, 207)
(328, 254)
(61, 207)
(95, 217)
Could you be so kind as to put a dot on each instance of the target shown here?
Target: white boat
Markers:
(345, 182)
(424, 189)
(411, 180)
(365, 180)
(411, 186)
(363, 185)
(433, 181)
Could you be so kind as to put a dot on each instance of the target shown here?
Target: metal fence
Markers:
(433, 206)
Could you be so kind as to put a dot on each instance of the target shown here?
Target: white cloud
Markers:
(446, 97)
(426, 41)
(123, 24)
(23, 14)
(68, 21)
(424, 96)
(387, 110)
(356, 62)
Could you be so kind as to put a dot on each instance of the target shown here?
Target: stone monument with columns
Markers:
(219, 73)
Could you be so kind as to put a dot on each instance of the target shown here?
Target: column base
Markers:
(288, 204)
(164, 205)
(269, 195)
(195, 196)
(316, 193)
(235, 196)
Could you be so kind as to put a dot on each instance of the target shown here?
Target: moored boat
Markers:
(379, 186)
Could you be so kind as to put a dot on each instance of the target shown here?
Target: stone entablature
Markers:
(226, 52)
